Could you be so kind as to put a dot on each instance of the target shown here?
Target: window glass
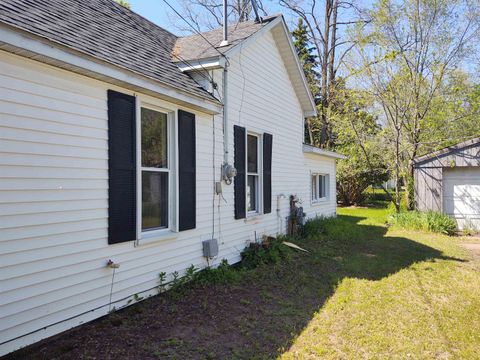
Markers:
(252, 154)
(155, 173)
(154, 139)
(154, 200)
(252, 184)
(321, 186)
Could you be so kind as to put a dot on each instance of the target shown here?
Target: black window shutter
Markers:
(267, 173)
(122, 203)
(187, 171)
(239, 135)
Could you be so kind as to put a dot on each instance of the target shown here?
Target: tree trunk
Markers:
(410, 187)
(397, 171)
(324, 75)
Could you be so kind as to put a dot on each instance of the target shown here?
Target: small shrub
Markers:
(222, 274)
(427, 221)
(315, 227)
(270, 251)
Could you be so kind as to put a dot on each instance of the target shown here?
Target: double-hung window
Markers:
(320, 187)
(155, 169)
(253, 174)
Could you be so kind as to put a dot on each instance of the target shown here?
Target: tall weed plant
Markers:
(424, 220)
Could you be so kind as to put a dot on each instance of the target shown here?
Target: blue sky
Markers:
(158, 12)
(153, 10)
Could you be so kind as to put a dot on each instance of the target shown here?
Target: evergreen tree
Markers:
(306, 54)
(310, 64)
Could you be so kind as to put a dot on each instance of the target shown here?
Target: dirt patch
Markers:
(474, 249)
(254, 318)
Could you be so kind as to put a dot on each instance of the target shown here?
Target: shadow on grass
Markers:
(257, 317)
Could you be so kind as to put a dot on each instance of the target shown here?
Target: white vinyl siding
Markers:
(54, 189)
(54, 204)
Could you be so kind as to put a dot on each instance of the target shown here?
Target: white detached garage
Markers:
(448, 180)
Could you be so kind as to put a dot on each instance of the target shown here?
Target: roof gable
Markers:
(195, 49)
(199, 46)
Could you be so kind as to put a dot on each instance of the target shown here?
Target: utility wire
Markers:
(194, 29)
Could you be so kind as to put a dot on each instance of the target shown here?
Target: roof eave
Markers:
(210, 63)
(313, 110)
(31, 46)
(309, 149)
(446, 150)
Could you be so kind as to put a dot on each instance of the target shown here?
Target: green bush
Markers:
(222, 274)
(270, 251)
(427, 221)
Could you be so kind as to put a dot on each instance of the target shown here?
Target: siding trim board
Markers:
(31, 46)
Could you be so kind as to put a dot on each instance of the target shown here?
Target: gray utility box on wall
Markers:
(210, 248)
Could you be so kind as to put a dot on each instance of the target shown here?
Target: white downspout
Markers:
(225, 86)
(225, 116)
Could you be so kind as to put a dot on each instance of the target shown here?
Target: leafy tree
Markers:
(358, 136)
(406, 55)
(326, 22)
(454, 115)
(124, 3)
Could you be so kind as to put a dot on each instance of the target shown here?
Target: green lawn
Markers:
(399, 294)
(364, 291)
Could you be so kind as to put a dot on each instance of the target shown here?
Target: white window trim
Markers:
(148, 236)
(326, 185)
(259, 174)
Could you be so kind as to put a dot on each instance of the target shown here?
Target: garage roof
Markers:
(447, 150)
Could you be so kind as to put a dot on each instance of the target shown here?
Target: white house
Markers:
(112, 144)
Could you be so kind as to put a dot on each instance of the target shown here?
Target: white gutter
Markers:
(308, 149)
(212, 63)
(37, 48)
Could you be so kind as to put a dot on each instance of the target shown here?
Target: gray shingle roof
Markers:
(195, 47)
(446, 150)
(104, 30)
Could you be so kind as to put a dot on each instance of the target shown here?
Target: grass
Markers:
(362, 291)
(405, 294)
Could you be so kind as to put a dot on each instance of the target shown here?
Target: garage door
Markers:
(461, 195)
